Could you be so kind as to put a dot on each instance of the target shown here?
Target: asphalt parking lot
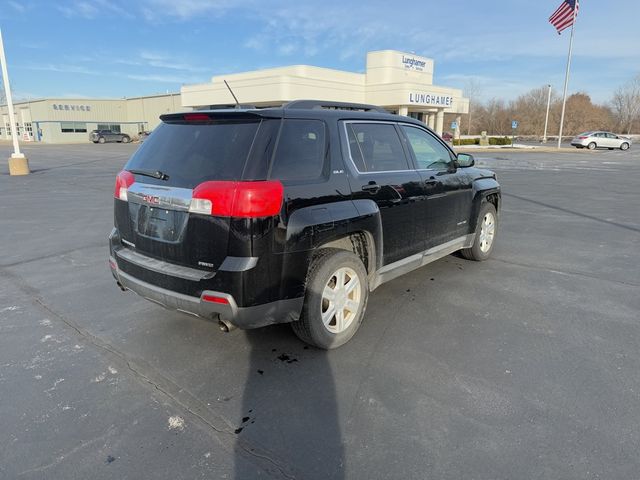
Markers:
(524, 366)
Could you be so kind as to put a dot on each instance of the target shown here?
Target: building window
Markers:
(113, 127)
(28, 128)
(73, 127)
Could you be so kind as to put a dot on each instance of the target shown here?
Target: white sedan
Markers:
(593, 140)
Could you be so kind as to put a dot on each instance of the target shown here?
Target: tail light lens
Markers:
(123, 181)
(238, 199)
(214, 299)
(196, 117)
(582, 138)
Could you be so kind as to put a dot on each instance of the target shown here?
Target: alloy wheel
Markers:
(487, 232)
(341, 299)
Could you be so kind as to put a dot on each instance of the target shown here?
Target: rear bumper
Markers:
(281, 311)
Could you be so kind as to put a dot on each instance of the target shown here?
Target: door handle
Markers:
(372, 187)
(432, 181)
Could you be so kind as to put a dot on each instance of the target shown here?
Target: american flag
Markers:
(563, 17)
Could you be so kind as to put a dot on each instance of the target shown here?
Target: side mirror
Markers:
(465, 160)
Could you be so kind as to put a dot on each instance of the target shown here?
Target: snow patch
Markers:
(46, 338)
(176, 423)
(45, 322)
(13, 308)
(112, 370)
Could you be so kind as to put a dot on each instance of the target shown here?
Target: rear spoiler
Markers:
(214, 116)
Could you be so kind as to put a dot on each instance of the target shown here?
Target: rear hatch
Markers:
(155, 211)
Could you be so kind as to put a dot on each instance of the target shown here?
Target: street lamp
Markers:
(546, 119)
(18, 163)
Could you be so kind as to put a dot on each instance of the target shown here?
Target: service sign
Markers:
(431, 99)
(71, 108)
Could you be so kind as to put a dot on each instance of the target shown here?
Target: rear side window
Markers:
(194, 153)
(301, 151)
(376, 147)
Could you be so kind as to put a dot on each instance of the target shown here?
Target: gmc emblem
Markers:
(151, 199)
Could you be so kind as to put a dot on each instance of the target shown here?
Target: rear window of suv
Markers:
(301, 151)
(194, 153)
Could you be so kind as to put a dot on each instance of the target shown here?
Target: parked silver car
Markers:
(593, 140)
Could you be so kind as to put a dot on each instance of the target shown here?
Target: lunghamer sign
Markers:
(413, 63)
(430, 99)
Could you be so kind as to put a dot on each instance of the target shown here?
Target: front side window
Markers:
(429, 152)
(376, 147)
(301, 151)
(109, 127)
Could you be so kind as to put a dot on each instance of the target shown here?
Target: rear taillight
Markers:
(214, 299)
(123, 181)
(238, 199)
(582, 138)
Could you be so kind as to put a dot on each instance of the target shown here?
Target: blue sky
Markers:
(117, 48)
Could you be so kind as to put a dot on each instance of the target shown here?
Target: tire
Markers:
(330, 267)
(624, 146)
(592, 146)
(101, 140)
(486, 229)
(125, 139)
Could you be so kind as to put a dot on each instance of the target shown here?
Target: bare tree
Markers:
(626, 104)
(3, 97)
(473, 91)
(531, 108)
(583, 115)
(494, 116)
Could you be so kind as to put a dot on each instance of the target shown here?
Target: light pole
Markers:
(18, 163)
(546, 119)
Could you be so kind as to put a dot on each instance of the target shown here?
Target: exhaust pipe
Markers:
(225, 325)
(121, 287)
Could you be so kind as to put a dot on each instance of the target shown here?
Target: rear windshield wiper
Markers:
(148, 173)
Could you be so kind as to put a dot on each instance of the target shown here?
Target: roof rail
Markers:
(330, 105)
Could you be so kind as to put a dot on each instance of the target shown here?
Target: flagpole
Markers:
(546, 118)
(566, 76)
(18, 163)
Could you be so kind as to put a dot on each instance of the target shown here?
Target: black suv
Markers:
(292, 214)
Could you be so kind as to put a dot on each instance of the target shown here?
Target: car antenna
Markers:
(232, 94)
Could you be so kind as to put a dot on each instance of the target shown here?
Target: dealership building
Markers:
(400, 82)
(66, 120)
